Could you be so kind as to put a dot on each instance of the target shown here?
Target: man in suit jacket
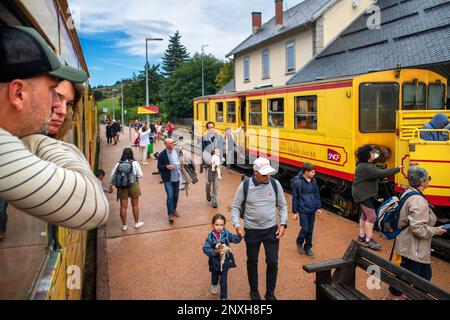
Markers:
(169, 168)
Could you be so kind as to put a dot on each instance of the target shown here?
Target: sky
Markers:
(113, 33)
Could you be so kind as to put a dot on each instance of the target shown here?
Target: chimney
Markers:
(279, 13)
(256, 21)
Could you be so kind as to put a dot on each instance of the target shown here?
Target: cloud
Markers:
(222, 24)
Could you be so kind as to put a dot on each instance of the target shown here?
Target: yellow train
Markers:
(324, 122)
(62, 263)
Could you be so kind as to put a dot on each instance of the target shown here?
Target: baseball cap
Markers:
(25, 54)
(262, 165)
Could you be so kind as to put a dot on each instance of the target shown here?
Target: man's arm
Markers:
(52, 181)
(282, 205)
(236, 206)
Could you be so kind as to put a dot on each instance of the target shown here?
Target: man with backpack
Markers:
(256, 201)
(306, 202)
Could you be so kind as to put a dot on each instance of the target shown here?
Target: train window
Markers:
(306, 113)
(206, 110)
(197, 116)
(231, 112)
(377, 106)
(219, 112)
(256, 113)
(414, 96)
(436, 97)
(276, 112)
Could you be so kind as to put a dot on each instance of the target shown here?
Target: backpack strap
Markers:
(245, 187)
(273, 182)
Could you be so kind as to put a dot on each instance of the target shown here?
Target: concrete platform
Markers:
(162, 261)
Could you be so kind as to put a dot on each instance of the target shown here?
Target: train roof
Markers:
(298, 16)
(412, 34)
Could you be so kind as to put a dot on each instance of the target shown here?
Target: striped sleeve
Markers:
(50, 180)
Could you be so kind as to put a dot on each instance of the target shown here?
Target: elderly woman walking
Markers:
(417, 220)
(365, 191)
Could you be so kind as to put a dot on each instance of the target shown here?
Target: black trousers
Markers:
(253, 240)
(3, 215)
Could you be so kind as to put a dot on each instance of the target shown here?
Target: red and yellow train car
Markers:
(324, 122)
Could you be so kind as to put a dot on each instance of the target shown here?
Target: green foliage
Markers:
(186, 84)
(98, 95)
(174, 56)
(226, 73)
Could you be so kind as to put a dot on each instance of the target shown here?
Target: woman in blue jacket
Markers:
(217, 246)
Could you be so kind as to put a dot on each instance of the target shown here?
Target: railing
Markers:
(411, 120)
(416, 135)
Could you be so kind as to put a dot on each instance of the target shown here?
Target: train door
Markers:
(241, 152)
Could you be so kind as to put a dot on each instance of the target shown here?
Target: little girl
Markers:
(216, 247)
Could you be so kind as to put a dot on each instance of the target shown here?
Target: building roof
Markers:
(298, 16)
(413, 34)
(229, 87)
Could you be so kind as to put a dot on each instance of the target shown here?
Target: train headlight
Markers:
(381, 154)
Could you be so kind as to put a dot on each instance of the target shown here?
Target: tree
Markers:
(186, 84)
(174, 56)
(226, 73)
(98, 95)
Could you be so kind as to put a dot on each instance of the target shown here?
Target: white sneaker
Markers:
(214, 289)
(138, 225)
(124, 227)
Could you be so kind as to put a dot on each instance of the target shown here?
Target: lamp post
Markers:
(203, 76)
(147, 89)
(121, 88)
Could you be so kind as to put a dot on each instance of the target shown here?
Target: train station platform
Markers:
(161, 261)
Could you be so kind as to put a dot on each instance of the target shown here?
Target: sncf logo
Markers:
(334, 155)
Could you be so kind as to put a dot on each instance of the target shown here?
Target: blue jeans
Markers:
(215, 275)
(3, 215)
(421, 269)
(172, 191)
(306, 232)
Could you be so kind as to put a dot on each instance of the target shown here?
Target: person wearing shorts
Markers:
(133, 193)
(365, 190)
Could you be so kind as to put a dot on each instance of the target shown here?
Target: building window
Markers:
(246, 69)
(256, 113)
(377, 107)
(306, 113)
(290, 56)
(276, 113)
(265, 64)
(414, 96)
(436, 97)
(219, 112)
(231, 112)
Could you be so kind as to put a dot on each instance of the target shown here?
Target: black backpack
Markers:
(246, 185)
(124, 176)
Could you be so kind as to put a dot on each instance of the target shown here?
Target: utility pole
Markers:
(203, 76)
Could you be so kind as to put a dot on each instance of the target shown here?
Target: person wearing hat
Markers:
(264, 196)
(66, 192)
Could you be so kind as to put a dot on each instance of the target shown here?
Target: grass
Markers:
(108, 103)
